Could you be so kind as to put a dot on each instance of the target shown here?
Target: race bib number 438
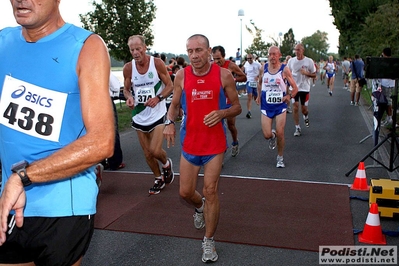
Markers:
(32, 110)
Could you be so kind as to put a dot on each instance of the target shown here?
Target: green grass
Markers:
(116, 68)
(366, 95)
(124, 116)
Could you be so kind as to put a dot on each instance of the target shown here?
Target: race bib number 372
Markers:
(32, 110)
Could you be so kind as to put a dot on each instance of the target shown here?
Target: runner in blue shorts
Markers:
(253, 70)
(273, 99)
(330, 68)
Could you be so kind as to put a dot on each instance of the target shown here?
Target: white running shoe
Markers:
(199, 219)
(297, 132)
(235, 150)
(280, 162)
(209, 250)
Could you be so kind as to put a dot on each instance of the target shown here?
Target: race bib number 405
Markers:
(274, 97)
(32, 110)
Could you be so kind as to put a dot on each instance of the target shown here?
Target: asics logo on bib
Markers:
(144, 91)
(31, 97)
(19, 92)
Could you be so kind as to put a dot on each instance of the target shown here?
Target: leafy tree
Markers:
(258, 46)
(382, 27)
(288, 43)
(116, 20)
(350, 17)
(316, 45)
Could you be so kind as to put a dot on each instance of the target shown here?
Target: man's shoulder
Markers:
(78, 32)
(9, 30)
(128, 64)
(127, 68)
(308, 59)
(293, 60)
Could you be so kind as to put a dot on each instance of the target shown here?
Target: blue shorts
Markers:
(252, 90)
(330, 75)
(197, 160)
(272, 113)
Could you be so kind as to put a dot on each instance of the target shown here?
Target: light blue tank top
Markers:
(41, 113)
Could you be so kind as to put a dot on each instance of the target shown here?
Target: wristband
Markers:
(160, 97)
(20, 169)
(168, 122)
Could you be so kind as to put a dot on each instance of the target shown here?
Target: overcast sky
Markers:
(176, 20)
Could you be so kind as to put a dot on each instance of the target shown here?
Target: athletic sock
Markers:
(206, 238)
(201, 209)
(166, 164)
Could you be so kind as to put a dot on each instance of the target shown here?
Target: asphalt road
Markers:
(325, 152)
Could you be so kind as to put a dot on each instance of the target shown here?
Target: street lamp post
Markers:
(240, 15)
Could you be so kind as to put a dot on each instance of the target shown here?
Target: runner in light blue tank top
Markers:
(56, 123)
(58, 118)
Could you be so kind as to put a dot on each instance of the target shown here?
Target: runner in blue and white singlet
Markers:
(330, 68)
(273, 98)
(274, 89)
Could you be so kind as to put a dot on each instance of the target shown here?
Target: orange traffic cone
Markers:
(360, 182)
(372, 232)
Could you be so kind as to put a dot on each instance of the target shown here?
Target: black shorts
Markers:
(148, 129)
(48, 241)
(303, 97)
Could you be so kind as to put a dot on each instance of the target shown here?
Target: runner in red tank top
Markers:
(200, 89)
(218, 54)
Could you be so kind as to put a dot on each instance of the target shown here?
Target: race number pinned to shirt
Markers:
(32, 110)
(274, 97)
(253, 84)
(143, 94)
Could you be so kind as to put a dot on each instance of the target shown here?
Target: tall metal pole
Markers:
(240, 15)
(241, 36)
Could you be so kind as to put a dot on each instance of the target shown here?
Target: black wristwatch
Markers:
(168, 122)
(20, 169)
(160, 97)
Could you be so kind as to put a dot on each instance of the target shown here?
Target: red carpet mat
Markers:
(279, 214)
